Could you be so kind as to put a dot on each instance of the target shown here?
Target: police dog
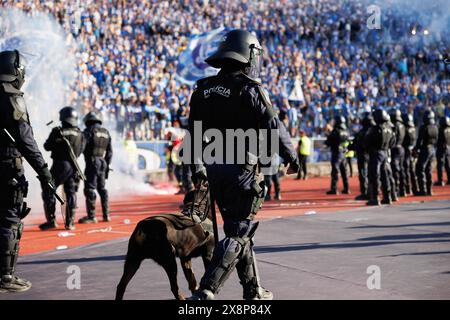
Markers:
(167, 236)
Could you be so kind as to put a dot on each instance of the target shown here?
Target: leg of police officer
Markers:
(276, 184)
(90, 186)
(386, 181)
(336, 159)
(447, 163)
(407, 171)
(374, 177)
(71, 188)
(49, 199)
(440, 160)
(237, 206)
(13, 188)
(362, 174)
(344, 174)
(429, 173)
(420, 171)
(391, 181)
(268, 183)
(101, 188)
(395, 168)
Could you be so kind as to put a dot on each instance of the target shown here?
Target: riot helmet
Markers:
(68, 116)
(91, 118)
(408, 119)
(241, 49)
(444, 122)
(367, 120)
(380, 116)
(12, 68)
(428, 117)
(339, 122)
(396, 115)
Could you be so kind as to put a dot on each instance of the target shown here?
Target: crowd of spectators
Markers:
(127, 57)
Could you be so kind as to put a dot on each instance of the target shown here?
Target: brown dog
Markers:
(167, 236)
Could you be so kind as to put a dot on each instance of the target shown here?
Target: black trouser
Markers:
(398, 172)
(443, 161)
(424, 169)
(303, 166)
(13, 189)
(378, 170)
(63, 174)
(231, 186)
(276, 183)
(338, 164)
(96, 181)
(410, 174)
(362, 159)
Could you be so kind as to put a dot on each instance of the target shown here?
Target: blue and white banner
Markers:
(191, 62)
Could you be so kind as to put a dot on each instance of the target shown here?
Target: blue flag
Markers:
(191, 62)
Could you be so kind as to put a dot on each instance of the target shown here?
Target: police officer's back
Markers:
(379, 139)
(424, 148)
(398, 153)
(16, 142)
(65, 143)
(408, 145)
(362, 154)
(336, 140)
(234, 99)
(98, 156)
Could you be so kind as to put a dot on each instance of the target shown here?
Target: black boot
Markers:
(69, 223)
(48, 225)
(90, 218)
(332, 192)
(9, 251)
(362, 197)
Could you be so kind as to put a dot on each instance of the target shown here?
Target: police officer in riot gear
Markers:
(16, 142)
(63, 169)
(424, 148)
(408, 162)
(362, 154)
(379, 140)
(443, 151)
(234, 99)
(398, 154)
(98, 156)
(336, 141)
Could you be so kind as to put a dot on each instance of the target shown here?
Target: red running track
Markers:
(298, 198)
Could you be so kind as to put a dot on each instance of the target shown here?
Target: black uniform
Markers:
(98, 156)
(443, 151)
(63, 171)
(233, 100)
(273, 176)
(426, 141)
(362, 155)
(379, 140)
(13, 185)
(336, 141)
(398, 154)
(408, 162)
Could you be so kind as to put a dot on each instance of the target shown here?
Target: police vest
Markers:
(219, 105)
(98, 143)
(380, 137)
(399, 134)
(430, 135)
(75, 138)
(305, 146)
(410, 137)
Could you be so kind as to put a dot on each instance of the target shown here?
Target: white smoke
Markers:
(50, 75)
(50, 72)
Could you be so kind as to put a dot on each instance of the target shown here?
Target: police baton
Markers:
(49, 185)
(214, 218)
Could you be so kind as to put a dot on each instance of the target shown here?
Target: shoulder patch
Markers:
(20, 108)
(264, 96)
